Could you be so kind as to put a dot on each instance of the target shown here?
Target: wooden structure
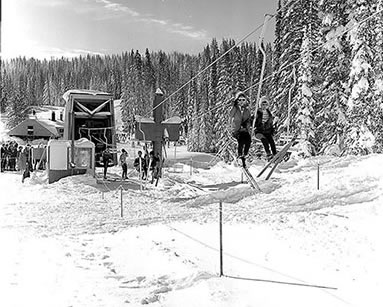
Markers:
(157, 129)
(90, 114)
(32, 128)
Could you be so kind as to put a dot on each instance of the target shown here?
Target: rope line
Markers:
(170, 218)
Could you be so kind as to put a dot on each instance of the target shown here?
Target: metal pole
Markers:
(140, 172)
(262, 70)
(122, 206)
(191, 166)
(220, 241)
(318, 177)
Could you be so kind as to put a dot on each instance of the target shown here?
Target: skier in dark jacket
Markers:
(240, 121)
(264, 128)
(106, 158)
(141, 166)
(154, 165)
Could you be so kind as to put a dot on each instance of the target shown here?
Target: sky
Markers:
(55, 28)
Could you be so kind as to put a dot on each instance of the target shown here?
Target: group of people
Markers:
(242, 123)
(142, 163)
(147, 162)
(10, 154)
(25, 159)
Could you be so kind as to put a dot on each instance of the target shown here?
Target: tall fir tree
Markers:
(224, 97)
(305, 114)
(334, 68)
(213, 95)
(359, 136)
(377, 116)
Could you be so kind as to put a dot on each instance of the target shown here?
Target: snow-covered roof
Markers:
(173, 120)
(84, 92)
(142, 119)
(42, 128)
(146, 120)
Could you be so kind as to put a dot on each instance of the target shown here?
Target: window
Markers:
(30, 130)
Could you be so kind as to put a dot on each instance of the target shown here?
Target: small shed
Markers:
(60, 163)
(33, 128)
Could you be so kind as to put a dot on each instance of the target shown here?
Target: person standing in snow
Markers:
(123, 157)
(154, 165)
(240, 121)
(140, 165)
(106, 158)
(26, 172)
(264, 128)
(3, 160)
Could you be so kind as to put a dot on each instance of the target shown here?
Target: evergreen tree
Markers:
(290, 41)
(224, 97)
(377, 101)
(18, 108)
(334, 69)
(213, 95)
(194, 129)
(305, 116)
(359, 137)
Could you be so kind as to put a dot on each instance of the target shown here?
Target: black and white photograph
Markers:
(208, 153)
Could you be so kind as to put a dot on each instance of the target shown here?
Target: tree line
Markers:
(323, 75)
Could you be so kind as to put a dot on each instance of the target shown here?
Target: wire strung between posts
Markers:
(169, 219)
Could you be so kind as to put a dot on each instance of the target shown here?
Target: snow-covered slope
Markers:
(66, 244)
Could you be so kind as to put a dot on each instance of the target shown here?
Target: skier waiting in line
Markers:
(154, 166)
(124, 165)
(264, 128)
(141, 166)
(240, 121)
(106, 159)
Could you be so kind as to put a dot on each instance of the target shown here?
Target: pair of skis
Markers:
(277, 159)
(250, 178)
(246, 172)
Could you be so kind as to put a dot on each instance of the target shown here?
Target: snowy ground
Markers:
(66, 244)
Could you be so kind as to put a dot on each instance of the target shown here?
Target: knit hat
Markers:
(239, 94)
(263, 99)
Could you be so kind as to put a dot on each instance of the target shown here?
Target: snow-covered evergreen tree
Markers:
(377, 115)
(47, 94)
(334, 69)
(305, 115)
(289, 42)
(359, 133)
(213, 95)
(194, 128)
(225, 95)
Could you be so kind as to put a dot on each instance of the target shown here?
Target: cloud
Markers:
(119, 10)
(192, 34)
(118, 7)
(43, 52)
(52, 3)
